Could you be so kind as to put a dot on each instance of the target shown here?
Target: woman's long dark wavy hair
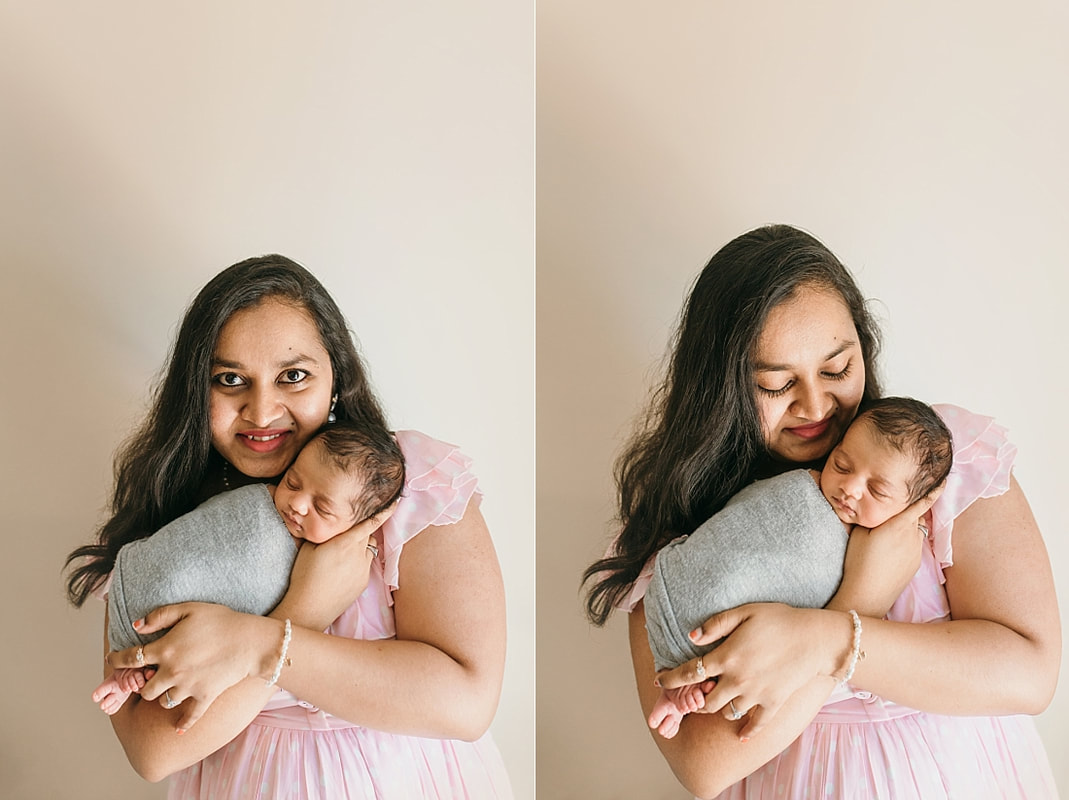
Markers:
(701, 440)
(160, 470)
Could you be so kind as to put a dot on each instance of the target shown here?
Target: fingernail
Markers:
(695, 633)
(180, 731)
(744, 739)
(138, 624)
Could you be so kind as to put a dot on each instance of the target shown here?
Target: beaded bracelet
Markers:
(282, 660)
(856, 653)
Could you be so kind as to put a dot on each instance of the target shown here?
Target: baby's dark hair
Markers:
(913, 428)
(372, 453)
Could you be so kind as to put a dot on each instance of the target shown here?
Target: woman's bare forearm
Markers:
(148, 732)
(707, 754)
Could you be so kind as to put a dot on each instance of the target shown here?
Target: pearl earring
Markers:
(332, 417)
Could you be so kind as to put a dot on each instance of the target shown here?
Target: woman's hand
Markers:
(208, 649)
(770, 654)
(327, 578)
(882, 561)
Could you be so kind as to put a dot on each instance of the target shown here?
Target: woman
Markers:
(774, 353)
(395, 699)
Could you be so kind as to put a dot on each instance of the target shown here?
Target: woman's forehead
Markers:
(813, 325)
(282, 330)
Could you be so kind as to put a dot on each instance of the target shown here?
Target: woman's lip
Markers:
(811, 431)
(264, 441)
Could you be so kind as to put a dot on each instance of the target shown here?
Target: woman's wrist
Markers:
(273, 652)
(855, 653)
(845, 649)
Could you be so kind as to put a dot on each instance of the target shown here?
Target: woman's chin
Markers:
(262, 467)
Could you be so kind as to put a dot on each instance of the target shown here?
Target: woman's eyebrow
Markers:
(300, 358)
(760, 366)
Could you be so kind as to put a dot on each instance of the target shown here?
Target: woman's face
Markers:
(810, 374)
(271, 384)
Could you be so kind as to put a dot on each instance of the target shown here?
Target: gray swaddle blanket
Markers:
(777, 540)
(233, 549)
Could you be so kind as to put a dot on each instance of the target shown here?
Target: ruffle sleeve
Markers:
(638, 588)
(439, 484)
(983, 461)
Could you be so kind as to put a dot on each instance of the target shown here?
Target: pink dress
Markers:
(295, 750)
(862, 746)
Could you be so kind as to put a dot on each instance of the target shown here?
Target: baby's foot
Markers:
(130, 680)
(110, 696)
(113, 692)
(674, 704)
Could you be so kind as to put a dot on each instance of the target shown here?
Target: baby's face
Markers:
(865, 479)
(313, 497)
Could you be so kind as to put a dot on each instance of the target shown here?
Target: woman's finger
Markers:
(689, 672)
(194, 711)
(920, 507)
(718, 626)
(161, 618)
(157, 620)
(130, 658)
(734, 710)
(755, 722)
(170, 698)
(366, 528)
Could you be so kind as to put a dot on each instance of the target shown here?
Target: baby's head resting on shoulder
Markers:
(345, 474)
(895, 452)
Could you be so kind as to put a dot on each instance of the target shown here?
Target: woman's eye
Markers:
(228, 379)
(293, 376)
(842, 374)
(775, 392)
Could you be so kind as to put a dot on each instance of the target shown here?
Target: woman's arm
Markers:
(149, 733)
(707, 754)
(1001, 652)
(216, 661)
(441, 677)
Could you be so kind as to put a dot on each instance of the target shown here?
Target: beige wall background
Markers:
(143, 148)
(925, 143)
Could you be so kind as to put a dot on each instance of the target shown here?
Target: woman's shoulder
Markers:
(983, 463)
(440, 483)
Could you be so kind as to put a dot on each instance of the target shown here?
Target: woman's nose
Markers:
(810, 402)
(262, 407)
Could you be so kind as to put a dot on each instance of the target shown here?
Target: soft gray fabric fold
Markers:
(233, 549)
(777, 540)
